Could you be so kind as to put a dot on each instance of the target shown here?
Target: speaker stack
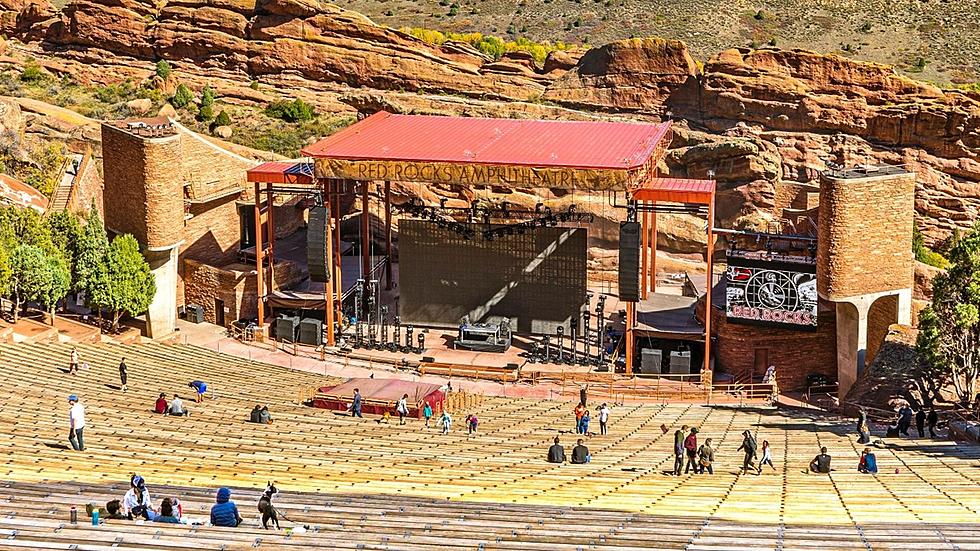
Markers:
(316, 244)
(311, 331)
(629, 261)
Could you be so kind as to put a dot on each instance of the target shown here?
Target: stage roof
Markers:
(282, 172)
(481, 151)
(676, 190)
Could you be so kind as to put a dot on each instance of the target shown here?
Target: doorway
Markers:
(761, 363)
(219, 312)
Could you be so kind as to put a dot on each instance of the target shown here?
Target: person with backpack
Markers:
(402, 409)
(749, 446)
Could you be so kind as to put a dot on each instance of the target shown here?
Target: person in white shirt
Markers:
(177, 407)
(603, 418)
(76, 422)
(402, 409)
(136, 502)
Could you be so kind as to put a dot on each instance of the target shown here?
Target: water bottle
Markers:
(95, 517)
(74, 515)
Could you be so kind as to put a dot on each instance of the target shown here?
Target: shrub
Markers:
(182, 97)
(32, 74)
(926, 255)
(221, 120)
(254, 85)
(205, 113)
(163, 69)
(454, 10)
(207, 96)
(866, 28)
(291, 111)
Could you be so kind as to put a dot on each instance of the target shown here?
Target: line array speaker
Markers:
(316, 244)
(629, 261)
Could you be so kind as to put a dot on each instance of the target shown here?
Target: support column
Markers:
(337, 267)
(388, 234)
(365, 232)
(269, 210)
(645, 247)
(630, 345)
(653, 249)
(707, 295)
(259, 246)
(905, 307)
(328, 301)
(852, 342)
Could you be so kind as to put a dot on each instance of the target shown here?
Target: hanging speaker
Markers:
(316, 244)
(629, 261)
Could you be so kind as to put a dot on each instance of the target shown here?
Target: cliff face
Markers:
(765, 122)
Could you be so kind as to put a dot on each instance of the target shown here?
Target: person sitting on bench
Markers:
(556, 453)
(161, 404)
(167, 512)
(224, 512)
(868, 463)
(177, 407)
(256, 413)
(264, 416)
(580, 454)
(821, 463)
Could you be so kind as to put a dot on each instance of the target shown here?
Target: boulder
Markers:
(168, 111)
(223, 132)
(139, 106)
(562, 60)
(3, 46)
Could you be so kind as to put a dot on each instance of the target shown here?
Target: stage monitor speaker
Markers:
(311, 331)
(316, 244)
(651, 360)
(680, 362)
(286, 328)
(629, 261)
(428, 359)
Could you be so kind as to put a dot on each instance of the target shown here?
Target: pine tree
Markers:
(125, 285)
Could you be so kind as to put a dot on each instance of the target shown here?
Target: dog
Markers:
(267, 509)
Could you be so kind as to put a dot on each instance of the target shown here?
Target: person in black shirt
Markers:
(932, 419)
(821, 463)
(580, 454)
(920, 422)
(556, 453)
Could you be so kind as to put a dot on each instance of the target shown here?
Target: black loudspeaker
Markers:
(286, 328)
(680, 362)
(428, 359)
(311, 331)
(316, 244)
(650, 360)
(582, 397)
(629, 261)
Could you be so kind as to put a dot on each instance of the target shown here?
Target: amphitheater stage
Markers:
(380, 395)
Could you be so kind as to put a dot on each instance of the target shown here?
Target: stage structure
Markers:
(616, 158)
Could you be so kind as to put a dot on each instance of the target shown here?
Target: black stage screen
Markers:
(537, 279)
(780, 294)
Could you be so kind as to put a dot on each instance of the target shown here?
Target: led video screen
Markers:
(537, 279)
(778, 294)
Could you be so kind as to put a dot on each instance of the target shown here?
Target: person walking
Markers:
(862, 427)
(749, 447)
(706, 456)
(679, 449)
(76, 423)
(691, 447)
(355, 408)
(766, 457)
(122, 374)
(920, 422)
(471, 423)
(446, 421)
(427, 413)
(603, 418)
(73, 362)
(932, 419)
(402, 409)
(904, 419)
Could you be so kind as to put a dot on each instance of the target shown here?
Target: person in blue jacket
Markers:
(224, 512)
(868, 463)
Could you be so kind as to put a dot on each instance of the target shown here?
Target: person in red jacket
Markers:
(691, 448)
(161, 405)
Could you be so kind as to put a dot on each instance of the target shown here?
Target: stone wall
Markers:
(88, 188)
(865, 235)
(882, 314)
(234, 284)
(795, 354)
(125, 194)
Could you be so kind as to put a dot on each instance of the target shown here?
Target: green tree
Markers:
(207, 97)
(126, 285)
(38, 276)
(65, 235)
(221, 120)
(91, 253)
(291, 111)
(949, 329)
(182, 97)
(163, 69)
(205, 113)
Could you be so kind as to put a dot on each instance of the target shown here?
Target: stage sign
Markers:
(780, 294)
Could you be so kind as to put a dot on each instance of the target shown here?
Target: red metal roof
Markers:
(676, 190)
(282, 173)
(570, 144)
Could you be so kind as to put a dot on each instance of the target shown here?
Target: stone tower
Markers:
(864, 255)
(144, 196)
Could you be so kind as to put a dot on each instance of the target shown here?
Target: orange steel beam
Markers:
(328, 286)
(259, 294)
(388, 234)
(270, 220)
(707, 295)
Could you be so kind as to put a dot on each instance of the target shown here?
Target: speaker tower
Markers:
(629, 261)
(316, 244)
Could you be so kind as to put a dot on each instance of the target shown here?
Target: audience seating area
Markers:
(358, 484)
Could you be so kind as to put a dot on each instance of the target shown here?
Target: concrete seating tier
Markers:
(359, 484)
